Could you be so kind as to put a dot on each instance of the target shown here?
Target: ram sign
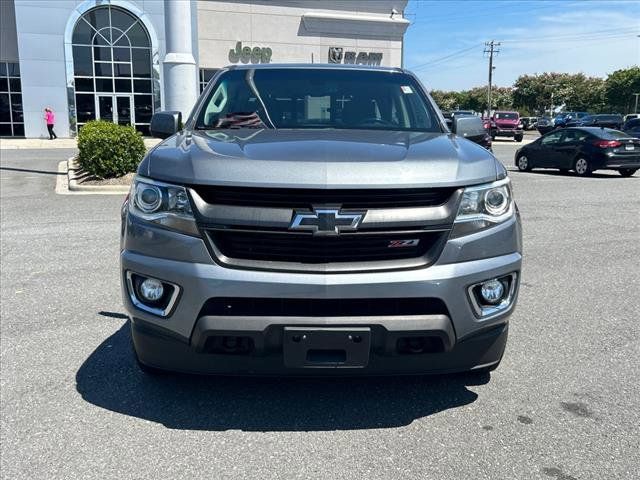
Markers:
(339, 55)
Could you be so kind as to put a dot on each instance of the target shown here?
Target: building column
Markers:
(179, 66)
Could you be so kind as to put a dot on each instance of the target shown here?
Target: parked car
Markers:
(529, 123)
(506, 124)
(562, 119)
(632, 127)
(296, 225)
(544, 125)
(599, 120)
(448, 116)
(631, 116)
(583, 150)
(473, 129)
(463, 112)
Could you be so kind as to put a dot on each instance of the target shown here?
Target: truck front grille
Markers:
(310, 249)
(253, 228)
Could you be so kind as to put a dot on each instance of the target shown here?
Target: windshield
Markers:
(507, 116)
(317, 98)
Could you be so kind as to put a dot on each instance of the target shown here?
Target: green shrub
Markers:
(109, 150)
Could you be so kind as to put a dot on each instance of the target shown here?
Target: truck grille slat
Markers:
(305, 198)
(303, 248)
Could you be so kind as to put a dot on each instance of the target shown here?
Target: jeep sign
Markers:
(249, 55)
(338, 55)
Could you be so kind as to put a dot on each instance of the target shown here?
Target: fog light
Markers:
(151, 289)
(492, 291)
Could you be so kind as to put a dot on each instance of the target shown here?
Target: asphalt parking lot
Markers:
(564, 404)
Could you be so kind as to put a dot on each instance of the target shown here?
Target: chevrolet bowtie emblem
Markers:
(326, 220)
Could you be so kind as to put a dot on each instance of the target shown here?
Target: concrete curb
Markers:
(46, 144)
(67, 183)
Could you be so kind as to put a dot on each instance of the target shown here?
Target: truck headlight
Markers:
(163, 204)
(483, 206)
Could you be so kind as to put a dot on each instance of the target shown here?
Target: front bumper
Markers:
(507, 132)
(166, 352)
(178, 342)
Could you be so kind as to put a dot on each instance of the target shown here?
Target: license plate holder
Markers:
(629, 146)
(309, 347)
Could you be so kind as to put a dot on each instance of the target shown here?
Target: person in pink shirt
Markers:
(50, 119)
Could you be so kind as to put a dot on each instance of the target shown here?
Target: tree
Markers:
(474, 99)
(619, 88)
(539, 93)
(446, 100)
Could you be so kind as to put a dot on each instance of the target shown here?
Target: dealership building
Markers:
(121, 60)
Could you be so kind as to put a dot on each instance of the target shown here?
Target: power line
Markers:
(578, 37)
(576, 34)
(446, 57)
(460, 53)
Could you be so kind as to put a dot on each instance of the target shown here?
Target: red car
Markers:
(506, 124)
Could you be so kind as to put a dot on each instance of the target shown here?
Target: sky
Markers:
(444, 43)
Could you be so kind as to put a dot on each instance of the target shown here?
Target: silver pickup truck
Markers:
(318, 220)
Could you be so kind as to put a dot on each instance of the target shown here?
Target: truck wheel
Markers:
(627, 172)
(582, 167)
(523, 163)
(518, 138)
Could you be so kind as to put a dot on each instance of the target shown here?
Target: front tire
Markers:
(627, 172)
(582, 167)
(523, 164)
(518, 138)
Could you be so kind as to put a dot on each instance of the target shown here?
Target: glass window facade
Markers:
(112, 68)
(11, 116)
(206, 74)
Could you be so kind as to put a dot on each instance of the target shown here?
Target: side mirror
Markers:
(469, 126)
(165, 124)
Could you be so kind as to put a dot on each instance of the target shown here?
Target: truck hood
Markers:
(324, 158)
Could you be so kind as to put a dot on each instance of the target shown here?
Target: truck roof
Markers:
(324, 66)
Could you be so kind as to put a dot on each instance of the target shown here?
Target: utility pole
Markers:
(490, 48)
(635, 110)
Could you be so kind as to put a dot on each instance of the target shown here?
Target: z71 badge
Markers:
(403, 243)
